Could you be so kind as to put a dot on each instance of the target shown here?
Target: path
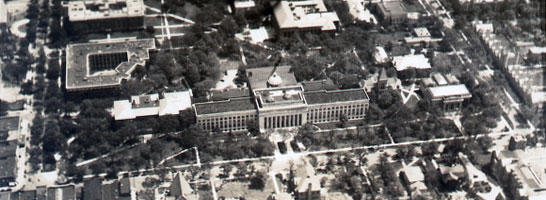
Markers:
(14, 28)
(302, 154)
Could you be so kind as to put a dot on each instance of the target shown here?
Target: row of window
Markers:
(283, 121)
(231, 123)
(329, 114)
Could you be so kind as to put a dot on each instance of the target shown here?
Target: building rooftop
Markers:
(27, 195)
(61, 193)
(181, 188)
(325, 84)
(92, 189)
(305, 14)
(305, 183)
(320, 97)
(380, 55)
(449, 91)
(7, 167)
(104, 63)
(259, 77)
(7, 149)
(417, 61)
(9, 123)
(230, 105)
(104, 9)
(529, 167)
(421, 32)
(149, 105)
(414, 174)
(392, 8)
(229, 93)
(239, 4)
(279, 97)
(110, 191)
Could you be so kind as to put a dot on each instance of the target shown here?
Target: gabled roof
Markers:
(305, 183)
(181, 188)
(383, 76)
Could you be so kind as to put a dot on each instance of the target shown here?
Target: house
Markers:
(414, 180)
(380, 55)
(452, 176)
(181, 189)
(517, 142)
(358, 10)
(308, 188)
(381, 81)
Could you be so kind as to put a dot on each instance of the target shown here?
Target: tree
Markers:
(257, 181)
(405, 152)
(201, 88)
(228, 27)
(429, 149)
(26, 88)
(485, 142)
(253, 127)
(53, 70)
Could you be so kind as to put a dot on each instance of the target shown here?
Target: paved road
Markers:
(347, 149)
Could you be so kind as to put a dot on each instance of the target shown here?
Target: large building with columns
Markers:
(276, 100)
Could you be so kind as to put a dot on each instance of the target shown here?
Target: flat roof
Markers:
(61, 193)
(305, 14)
(92, 189)
(77, 63)
(9, 123)
(279, 97)
(148, 105)
(417, 61)
(110, 191)
(7, 149)
(7, 167)
(244, 4)
(258, 77)
(449, 90)
(231, 105)
(320, 97)
(325, 84)
(104, 9)
(393, 8)
(528, 167)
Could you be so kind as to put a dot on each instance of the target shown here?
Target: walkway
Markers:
(14, 28)
(302, 154)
